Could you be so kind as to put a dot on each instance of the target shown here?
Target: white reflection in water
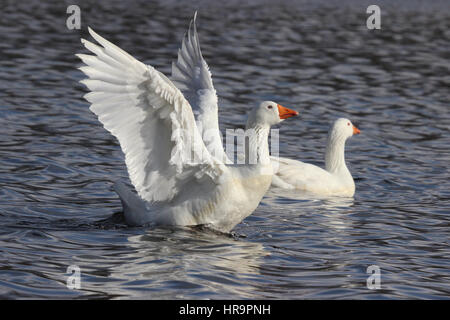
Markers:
(333, 210)
(161, 260)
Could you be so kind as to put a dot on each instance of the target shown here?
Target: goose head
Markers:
(269, 113)
(343, 129)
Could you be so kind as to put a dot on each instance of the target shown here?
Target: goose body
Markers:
(334, 180)
(169, 133)
(221, 206)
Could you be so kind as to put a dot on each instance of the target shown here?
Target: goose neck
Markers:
(257, 145)
(335, 154)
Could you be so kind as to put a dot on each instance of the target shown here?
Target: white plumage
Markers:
(179, 178)
(190, 73)
(334, 180)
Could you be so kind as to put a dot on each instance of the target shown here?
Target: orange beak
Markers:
(356, 130)
(286, 112)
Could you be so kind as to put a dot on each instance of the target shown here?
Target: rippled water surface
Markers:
(57, 163)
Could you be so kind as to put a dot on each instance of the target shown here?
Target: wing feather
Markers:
(190, 73)
(150, 117)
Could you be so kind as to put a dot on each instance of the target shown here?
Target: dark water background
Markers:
(57, 163)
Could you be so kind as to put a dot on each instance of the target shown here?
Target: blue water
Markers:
(57, 163)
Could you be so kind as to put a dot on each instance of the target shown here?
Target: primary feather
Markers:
(191, 74)
(149, 116)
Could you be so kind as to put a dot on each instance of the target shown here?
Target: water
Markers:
(57, 163)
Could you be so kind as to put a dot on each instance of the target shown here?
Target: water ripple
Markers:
(57, 163)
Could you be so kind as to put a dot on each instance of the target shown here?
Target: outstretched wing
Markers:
(190, 73)
(151, 119)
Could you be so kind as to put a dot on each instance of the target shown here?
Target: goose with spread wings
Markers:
(176, 164)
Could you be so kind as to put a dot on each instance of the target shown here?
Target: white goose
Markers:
(178, 177)
(335, 180)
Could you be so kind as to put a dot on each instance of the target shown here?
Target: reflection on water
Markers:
(233, 263)
(58, 165)
(333, 209)
(170, 263)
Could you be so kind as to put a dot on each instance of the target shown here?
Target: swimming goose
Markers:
(177, 179)
(334, 180)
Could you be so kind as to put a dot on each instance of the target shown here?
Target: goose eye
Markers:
(269, 107)
(348, 123)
